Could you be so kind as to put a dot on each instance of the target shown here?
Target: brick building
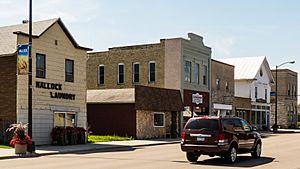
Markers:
(287, 98)
(59, 68)
(222, 88)
(178, 64)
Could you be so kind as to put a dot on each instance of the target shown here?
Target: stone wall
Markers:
(225, 73)
(287, 98)
(128, 55)
(145, 125)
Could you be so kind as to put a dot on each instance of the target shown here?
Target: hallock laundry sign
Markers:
(55, 86)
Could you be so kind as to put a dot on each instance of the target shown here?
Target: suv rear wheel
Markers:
(257, 151)
(192, 157)
(231, 155)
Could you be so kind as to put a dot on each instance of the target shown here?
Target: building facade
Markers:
(287, 81)
(58, 78)
(179, 64)
(222, 88)
(253, 79)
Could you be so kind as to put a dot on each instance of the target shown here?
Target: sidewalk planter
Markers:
(20, 148)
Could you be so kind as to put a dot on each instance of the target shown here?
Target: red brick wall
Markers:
(8, 89)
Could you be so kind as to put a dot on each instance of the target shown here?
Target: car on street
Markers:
(224, 136)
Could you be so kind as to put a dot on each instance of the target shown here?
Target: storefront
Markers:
(196, 103)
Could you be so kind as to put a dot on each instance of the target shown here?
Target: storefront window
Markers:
(159, 119)
(64, 119)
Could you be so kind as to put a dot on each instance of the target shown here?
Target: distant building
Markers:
(287, 98)
(59, 79)
(253, 79)
(178, 64)
(222, 88)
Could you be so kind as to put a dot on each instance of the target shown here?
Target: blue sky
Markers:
(232, 28)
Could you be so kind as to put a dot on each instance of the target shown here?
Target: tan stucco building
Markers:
(59, 78)
(178, 64)
(287, 81)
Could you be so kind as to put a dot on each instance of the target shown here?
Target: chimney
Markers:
(25, 21)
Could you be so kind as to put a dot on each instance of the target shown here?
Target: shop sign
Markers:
(55, 86)
(23, 65)
(197, 98)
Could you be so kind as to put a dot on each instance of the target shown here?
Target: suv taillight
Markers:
(221, 137)
(182, 136)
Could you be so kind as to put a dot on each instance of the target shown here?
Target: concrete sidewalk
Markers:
(101, 146)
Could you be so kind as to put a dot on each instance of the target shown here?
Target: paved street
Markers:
(280, 151)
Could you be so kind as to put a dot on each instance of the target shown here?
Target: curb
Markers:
(84, 150)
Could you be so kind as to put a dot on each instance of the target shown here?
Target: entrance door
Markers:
(173, 124)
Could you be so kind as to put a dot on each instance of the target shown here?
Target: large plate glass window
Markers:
(64, 119)
(40, 65)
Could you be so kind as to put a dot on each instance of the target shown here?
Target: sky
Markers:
(232, 28)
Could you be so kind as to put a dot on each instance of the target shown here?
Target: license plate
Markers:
(200, 138)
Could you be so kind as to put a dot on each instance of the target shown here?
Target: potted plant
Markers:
(19, 139)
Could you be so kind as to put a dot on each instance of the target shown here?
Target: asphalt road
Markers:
(279, 152)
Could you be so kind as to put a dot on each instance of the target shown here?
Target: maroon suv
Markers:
(219, 136)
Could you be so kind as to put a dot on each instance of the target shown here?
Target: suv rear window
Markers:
(205, 124)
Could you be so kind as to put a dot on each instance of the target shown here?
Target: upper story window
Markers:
(289, 90)
(295, 91)
(136, 72)
(187, 71)
(266, 94)
(205, 75)
(261, 72)
(69, 70)
(196, 72)
(218, 84)
(152, 71)
(121, 73)
(255, 94)
(227, 86)
(101, 75)
(40, 65)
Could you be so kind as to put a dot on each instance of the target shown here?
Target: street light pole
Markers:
(275, 127)
(30, 148)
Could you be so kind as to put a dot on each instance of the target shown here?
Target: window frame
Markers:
(164, 119)
(118, 75)
(134, 72)
(38, 69)
(205, 73)
(151, 73)
(218, 84)
(99, 75)
(65, 114)
(197, 72)
(187, 72)
(67, 74)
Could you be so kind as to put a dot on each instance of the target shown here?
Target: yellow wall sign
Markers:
(23, 64)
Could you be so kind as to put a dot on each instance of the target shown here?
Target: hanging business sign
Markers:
(23, 64)
(197, 98)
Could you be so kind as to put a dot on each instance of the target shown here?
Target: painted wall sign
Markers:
(55, 86)
(23, 65)
(197, 98)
